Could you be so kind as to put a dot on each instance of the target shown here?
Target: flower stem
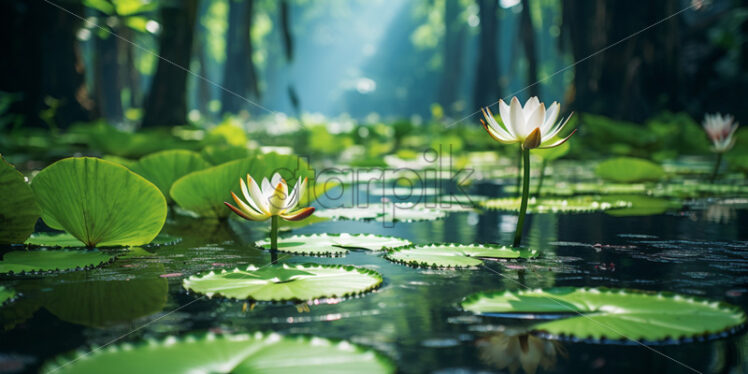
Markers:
(519, 167)
(274, 239)
(542, 176)
(716, 167)
(525, 196)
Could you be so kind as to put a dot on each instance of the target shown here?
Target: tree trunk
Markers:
(527, 34)
(107, 84)
(130, 76)
(240, 75)
(454, 35)
(167, 101)
(288, 44)
(487, 73)
(43, 62)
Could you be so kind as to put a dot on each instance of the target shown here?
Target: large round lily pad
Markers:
(578, 204)
(165, 167)
(282, 282)
(19, 262)
(238, 354)
(611, 314)
(455, 255)
(99, 202)
(629, 169)
(334, 244)
(18, 208)
(65, 240)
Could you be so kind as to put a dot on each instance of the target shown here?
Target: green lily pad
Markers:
(282, 282)
(543, 205)
(332, 244)
(165, 167)
(219, 154)
(454, 255)
(18, 209)
(238, 354)
(65, 240)
(19, 262)
(401, 212)
(641, 205)
(570, 189)
(203, 192)
(99, 202)
(611, 314)
(629, 169)
(404, 192)
(6, 294)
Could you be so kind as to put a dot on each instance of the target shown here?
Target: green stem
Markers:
(274, 239)
(542, 176)
(716, 167)
(525, 196)
(519, 167)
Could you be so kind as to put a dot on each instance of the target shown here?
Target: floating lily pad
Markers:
(642, 205)
(356, 213)
(454, 255)
(18, 209)
(282, 282)
(219, 154)
(611, 314)
(570, 189)
(237, 354)
(59, 260)
(164, 168)
(99, 202)
(6, 294)
(203, 192)
(404, 192)
(543, 205)
(629, 169)
(332, 244)
(65, 240)
(406, 212)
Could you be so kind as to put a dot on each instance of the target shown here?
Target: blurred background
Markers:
(144, 63)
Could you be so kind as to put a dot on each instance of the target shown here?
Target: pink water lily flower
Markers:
(720, 130)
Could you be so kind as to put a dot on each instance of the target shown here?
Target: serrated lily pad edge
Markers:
(187, 281)
(531, 209)
(343, 250)
(706, 336)
(532, 254)
(112, 258)
(172, 241)
(60, 361)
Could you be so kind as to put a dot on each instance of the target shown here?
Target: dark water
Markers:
(414, 317)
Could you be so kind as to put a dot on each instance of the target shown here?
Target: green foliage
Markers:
(19, 262)
(6, 294)
(629, 170)
(454, 255)
(107, 139)
(281, 282)
(18, 209)
(99, 202)
(165, 167)
(238, 354)
(332, 244)
(612, 314)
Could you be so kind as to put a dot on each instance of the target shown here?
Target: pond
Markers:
(414, 317)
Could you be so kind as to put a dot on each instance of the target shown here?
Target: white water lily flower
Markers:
(272, 200)
(532, 125)
(720, 130)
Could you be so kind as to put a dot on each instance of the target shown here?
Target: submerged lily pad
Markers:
(332, 244)
(65, 240)
(571, 205)
(237, 354)
(611, 314)
(629, 169)
(99, 202)
(6, 294)
(18, 209)
(455, 255)
(164, 168)
(59, 260)
(282, 282)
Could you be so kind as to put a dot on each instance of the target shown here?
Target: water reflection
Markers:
(518, 351)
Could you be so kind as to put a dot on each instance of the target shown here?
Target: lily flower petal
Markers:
(298, 215)
(245, 215)
(517, 119)
(557, 143)
(277, 199)
(532, 140)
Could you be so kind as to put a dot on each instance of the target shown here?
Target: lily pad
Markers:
(406, 212)
(543, 205)
(256, 353)
(19, 262)
(65, 240)
(203, 192)
(455, 255)
(164, 168)
(6, 294)
(99, 202)
(642, 205)
(282, 282)
(219, 154)
(611, 315)
(629, 170)
(18, 209)
(332, 244)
